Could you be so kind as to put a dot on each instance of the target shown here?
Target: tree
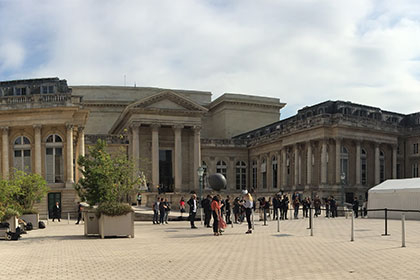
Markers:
(106, 179)
(31, 188)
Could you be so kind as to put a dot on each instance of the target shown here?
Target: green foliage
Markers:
(8, 193)
(114, 208)
(29, 211)
(32, 188)
(9, 213)
(106, 178)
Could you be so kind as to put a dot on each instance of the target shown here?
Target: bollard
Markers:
(352, 227)
(386, 223)
(265, 217)
(231, 220)
(68, 218)
(311, 220)
(310, 217)
(278, 220)
(403, 230)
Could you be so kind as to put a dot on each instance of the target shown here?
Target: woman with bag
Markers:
(215, 208)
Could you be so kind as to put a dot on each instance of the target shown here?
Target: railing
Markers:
(36, 98)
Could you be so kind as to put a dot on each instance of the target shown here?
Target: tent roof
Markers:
(396, 185)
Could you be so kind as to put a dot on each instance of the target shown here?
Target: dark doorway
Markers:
(52, 199)
(166, 180)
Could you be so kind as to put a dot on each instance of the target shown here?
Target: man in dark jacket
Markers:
(193, 209)
(206, 204)
(56, 211)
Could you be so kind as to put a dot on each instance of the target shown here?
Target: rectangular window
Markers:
(416, 148)
(264, 180)
(275, 176)
(20, 91)
(254, 177)
(415, 171)
(47, 89)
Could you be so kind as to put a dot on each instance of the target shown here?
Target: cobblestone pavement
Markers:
(175, 251)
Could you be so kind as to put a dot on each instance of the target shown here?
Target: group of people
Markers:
(161, 208)
(220, 210)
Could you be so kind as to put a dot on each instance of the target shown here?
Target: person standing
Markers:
(248, 205)
(333, 207)
(162, 208)
(276, 206)
(79, 212)
(317, 206)
(167, 210)
(215, 207)
(155, 208)
(193, 209)
(56, 212)
(182, 206)
(356, 207)
(228, 208)
(206, 204)
(296, 205)
(138, 199)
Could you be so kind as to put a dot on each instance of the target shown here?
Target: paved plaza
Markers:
(175, 251)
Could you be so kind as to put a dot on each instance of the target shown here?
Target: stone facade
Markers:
(333, 148)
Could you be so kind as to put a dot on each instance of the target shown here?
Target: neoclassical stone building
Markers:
(333, 148)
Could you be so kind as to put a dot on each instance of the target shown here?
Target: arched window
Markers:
(363, 167)
(381, 166)
(274, 168)
(264, 173)
(22, 154)
(254, 174)
(205, 173)
(240, 175)
(54, 159)
(221, 168)
(344, 164)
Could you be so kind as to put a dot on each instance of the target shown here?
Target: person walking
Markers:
(162, 208)
(215, 208)
(79, 212)
(192, 202)
(296, 205)
(276, 206)
(56, 212)
(317, 206)
(228, 209)
(248, 205)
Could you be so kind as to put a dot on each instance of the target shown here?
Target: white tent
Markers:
(395, 194)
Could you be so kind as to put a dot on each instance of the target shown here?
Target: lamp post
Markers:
(343, 180)
(200, 172)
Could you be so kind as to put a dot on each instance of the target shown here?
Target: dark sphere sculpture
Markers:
(217, 181)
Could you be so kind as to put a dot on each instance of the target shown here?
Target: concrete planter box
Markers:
(91, 222)
(13, 223)
(31, 218)
(116, 225)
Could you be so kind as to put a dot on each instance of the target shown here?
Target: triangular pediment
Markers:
(167, 100)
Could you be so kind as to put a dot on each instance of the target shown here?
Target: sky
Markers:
(303, 52)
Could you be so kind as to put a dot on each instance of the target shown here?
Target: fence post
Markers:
(311, 221)
(310, 217)
(403, 230)
(278, 220)
(68, 218)
(352, 227)
(386, 223)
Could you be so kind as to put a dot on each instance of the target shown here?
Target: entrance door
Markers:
(165, 170)
(52, 199)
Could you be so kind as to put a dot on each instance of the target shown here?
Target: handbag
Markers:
(222, 223)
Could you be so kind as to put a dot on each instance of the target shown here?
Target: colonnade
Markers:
(177, 130)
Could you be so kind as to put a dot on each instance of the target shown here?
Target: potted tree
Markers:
(31, 189)
(9, 208)
(107, 184)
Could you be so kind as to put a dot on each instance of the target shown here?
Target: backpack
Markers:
(41, 224)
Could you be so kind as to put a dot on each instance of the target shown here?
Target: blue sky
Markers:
(303, 52)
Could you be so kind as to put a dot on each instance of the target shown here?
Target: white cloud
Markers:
(303, 52)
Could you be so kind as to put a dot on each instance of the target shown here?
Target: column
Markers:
(377, 165)
(5, 157)
(283, 168)
(155, 154)
(358, 167)
(69, 155)
(38, 160)
(178, 157)
(269, 172)
(135, 145)
(324, 162)
(300, 169)
(197, 153)
(278, 157)
(81, 146)
(394, 161)
(296, 165)
(309, 164)
(337, 161)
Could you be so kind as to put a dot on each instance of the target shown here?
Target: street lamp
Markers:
(343, 180)
(200, 172)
